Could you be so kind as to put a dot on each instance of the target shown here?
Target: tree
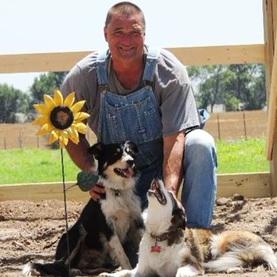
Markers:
(46, 83)
(237, 86)
(211, 80)
(12, 101)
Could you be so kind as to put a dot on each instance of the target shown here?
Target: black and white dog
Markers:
(108, 231)
(168, 249)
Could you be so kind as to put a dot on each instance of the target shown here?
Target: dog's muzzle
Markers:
(155, 190)
(127, 172)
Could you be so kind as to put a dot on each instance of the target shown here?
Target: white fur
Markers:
(186, 271)
(169, 261)
(233, 258)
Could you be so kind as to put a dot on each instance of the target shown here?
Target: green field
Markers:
(43, 165)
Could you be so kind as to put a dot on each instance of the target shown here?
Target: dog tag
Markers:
(155, 248)
(86, 180)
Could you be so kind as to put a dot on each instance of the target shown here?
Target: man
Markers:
(136, 93)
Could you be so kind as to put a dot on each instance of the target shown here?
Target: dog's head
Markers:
(116, 163)
(164, 206)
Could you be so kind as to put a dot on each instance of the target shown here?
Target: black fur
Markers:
(88, 235)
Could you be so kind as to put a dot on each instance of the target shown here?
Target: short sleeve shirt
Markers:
(171, 86)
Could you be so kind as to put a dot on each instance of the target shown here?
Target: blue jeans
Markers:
(199, 186)
(199, 181)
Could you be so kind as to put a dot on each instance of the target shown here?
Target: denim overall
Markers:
(136, 117)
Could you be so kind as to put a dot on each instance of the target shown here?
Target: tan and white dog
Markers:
(168, 249)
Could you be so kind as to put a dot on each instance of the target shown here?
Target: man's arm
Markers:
(173, 150)
(79, 154)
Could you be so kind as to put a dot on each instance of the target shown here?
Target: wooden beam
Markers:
(252, 185)
(272, 106)
(63, 61)
(270, 29)
(232, 54)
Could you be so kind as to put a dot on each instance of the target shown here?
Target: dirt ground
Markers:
(30, 230)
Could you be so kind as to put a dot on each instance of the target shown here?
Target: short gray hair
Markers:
(125, 8)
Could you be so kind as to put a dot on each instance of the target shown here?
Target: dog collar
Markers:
(162, 237)
(116, 192)
(156, 248)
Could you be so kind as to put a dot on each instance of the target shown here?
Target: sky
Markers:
(30, 26)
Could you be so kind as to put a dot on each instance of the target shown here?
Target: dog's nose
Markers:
(130, 162)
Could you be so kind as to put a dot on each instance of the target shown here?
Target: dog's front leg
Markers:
(118, 252)
(121, 273)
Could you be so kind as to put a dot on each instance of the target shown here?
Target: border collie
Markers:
(168, 249)
(108, 231)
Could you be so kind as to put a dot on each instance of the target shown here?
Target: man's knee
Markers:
(200, 146)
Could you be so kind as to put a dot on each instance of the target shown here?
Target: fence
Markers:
(228, 125)
(235, 125)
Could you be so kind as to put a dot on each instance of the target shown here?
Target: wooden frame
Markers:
(252, 185)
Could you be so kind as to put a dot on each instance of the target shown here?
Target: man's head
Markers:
(125, 31)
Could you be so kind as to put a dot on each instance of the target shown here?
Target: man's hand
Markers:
(96, 191)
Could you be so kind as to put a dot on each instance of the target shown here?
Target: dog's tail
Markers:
(57, 268)
(239, 256)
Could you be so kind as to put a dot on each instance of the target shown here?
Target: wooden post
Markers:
(218, 126)
(244, 125)
(270, 27)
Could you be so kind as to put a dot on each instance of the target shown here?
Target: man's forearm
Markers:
(173, 160)
(79, 154)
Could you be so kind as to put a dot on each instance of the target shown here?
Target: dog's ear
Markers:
(179, 218)
(132, 147)
(96, 150)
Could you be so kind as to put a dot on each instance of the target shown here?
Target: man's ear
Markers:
(105, 33)
(96, 150)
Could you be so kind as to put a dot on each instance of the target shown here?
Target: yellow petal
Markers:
(78, 106)
(49, 101)
(69, 100)
(41, 108)
(63, 141)
(81, 116)
(81, 127)
(45, 128)
(58, 97)
(74, 136)
(40, 120)
(52, 137)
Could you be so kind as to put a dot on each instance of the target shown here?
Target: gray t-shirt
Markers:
(171, 87)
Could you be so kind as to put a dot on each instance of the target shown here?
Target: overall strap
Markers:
(150, 65)
(102, 68)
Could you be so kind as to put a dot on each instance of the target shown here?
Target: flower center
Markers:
(61, 117)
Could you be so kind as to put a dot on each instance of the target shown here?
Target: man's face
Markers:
(125, 37)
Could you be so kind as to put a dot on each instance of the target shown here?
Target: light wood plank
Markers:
(248, 184)
(272, 113)
(226, 54)
(63, 61)
(252, 185)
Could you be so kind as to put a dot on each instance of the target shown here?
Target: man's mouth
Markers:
(155, 189)
(124, 172)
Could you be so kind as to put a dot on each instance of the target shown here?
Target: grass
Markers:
(245, 155)
(44, 165)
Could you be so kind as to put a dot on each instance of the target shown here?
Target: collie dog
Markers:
(108, 231)
(169, 249)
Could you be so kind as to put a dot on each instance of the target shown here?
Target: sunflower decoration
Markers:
(61, 118)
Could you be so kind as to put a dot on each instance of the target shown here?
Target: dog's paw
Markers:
(105, 274)
(187, 271)
(28, 270)
(121, 273)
